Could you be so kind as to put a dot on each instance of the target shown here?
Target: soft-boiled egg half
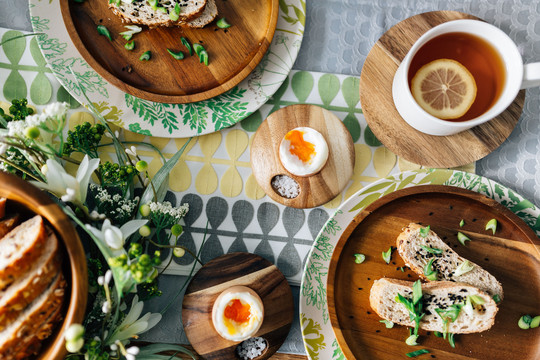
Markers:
(237, 313)
(303, 151)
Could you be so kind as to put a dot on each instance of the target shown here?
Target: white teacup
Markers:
(518, 76)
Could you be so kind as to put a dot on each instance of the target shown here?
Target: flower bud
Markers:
(145, 231)
(144, 210)
(32, 132)
(141, 165)
(177, 229)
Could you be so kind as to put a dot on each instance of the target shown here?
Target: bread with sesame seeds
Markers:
(409, 246)
(436, 295)
(157, 13)
(209, 14)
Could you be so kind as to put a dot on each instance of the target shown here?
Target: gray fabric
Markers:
(338, 37)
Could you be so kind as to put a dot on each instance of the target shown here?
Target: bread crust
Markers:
(409, 238)
(387, 308)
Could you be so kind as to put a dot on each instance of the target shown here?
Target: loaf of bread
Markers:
(20, 248)
(436, 295)
(17, 338)
(208, 15)
(26, 288)
(143, 13)
(409, 246)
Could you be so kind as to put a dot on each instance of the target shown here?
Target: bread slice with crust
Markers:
(209, 14)
(6, 225)
(2, 207)
(41, 312)
(26, 288)
(436, 295)
(141, 12)
(409, 244)
(20, 248)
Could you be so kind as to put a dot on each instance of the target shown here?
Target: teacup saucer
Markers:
(398, 136)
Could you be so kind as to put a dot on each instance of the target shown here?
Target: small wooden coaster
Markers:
(386, 123)
(220, 274)
(316, 189)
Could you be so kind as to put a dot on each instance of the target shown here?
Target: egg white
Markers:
(294, 164)
(231, 330)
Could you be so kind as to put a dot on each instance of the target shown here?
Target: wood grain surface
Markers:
(218, 275)
(402, 139)
(512, 255)
(316, 189)
(30, 200)
(233, 53)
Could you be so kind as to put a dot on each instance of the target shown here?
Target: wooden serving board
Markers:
(402, 139)
(512, 255)
(233, 53)
(220, 274)
(316, 189)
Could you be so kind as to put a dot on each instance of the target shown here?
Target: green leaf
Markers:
(149, 351)
(252, 122)
(522, 205)
(370, 138)
(302, 85)
(353, 125)
(15, 86)
(299, 14)
(351, 91)
(14, 45)
(328, 88)
(283, 6)
(64, 96)
(36, 53)
(403, 183)
(366, 201)
(41, 90)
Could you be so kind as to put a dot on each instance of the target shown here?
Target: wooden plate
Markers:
(386, 123)
(316, 189)
(220, 274)
(511, 255)
(233, 53)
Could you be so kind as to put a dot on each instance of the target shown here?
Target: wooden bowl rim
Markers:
(38, 201)
(65, 6)
(386, 199)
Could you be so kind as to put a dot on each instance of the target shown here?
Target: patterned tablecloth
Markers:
(214, 175)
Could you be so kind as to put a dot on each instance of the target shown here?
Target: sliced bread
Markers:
(41, 312)
(6, 225)
(436, 295)
(209, 14)
(143, 13)
(409, 246)
(2, 207)
(26, 288)
(20, 248)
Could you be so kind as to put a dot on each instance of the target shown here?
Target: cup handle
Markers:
(531, 75)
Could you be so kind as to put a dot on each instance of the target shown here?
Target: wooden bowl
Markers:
(36, 201)
(511, 255)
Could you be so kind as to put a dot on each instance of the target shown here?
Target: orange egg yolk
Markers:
(304, 150)
(237, 311)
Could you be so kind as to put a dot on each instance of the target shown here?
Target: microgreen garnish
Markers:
(130, 45)
(411, 340)
(492, 225)
(438, 334)
(463, 268)
(359, 258)
(424, 231)
(387, 323)
(203, 57)
(131, 30)
(387, 255)
(417, 352)
(414, 305)
(223, 24)
(147, 55)
(535, 322)
(461, 223)
(432, 250)
(451, 340)
(198, 48)
(448, 315)
(102, 30)
(174, 15)
(462, 238)
(525, 322)
(471, 303)
(429, 272)
(186, 43)
(178, 56)
(496, 298)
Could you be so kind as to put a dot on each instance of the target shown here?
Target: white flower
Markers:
(132, 325)
(64, 185)
(115, 237)
(55, 110)
(132, 151)
(16, 128)
(132, 352)
(106, 308)
(3, 148)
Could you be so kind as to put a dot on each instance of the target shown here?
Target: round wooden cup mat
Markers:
(398, 136)
(220, 274)
(316, 189)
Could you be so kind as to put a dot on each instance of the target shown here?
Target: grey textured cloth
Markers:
(338, 37)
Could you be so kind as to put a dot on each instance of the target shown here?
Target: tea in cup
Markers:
(458, 75)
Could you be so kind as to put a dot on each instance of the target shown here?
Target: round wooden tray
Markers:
(398, 136)
(233, 53)
(316, 189)
(511, 255)
(220, 274)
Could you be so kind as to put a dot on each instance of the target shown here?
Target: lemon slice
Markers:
(444, 88)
